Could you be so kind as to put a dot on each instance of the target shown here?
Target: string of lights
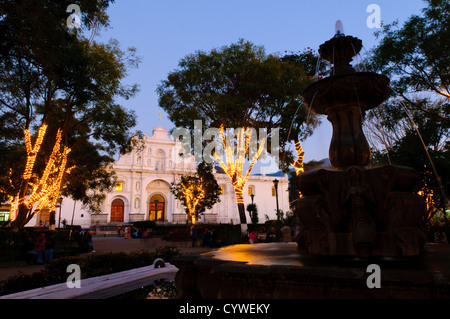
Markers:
(43, 192)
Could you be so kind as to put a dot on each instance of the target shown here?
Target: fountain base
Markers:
(281, 271)
(361, 212)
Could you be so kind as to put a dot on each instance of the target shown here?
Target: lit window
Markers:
(221, 190)
(119, 186)
(4, 216)
(250, 190)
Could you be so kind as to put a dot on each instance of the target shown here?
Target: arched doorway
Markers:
(117, 210)
(157, 208)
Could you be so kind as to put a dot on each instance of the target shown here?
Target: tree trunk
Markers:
(241, 210)
(243, 218)
(21, 218)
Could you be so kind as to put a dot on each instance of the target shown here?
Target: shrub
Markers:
(145, 224)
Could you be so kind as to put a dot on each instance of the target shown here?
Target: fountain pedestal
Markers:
(353, 210)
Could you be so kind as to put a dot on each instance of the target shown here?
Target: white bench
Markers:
(103, 287)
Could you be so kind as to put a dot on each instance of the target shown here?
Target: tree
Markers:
(253, 212)
(417, 59)
(57, 104)
(240, 87)
(417, 56)
(197, 192)
(412, 127)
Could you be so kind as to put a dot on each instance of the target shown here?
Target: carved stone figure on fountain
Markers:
(359, 202)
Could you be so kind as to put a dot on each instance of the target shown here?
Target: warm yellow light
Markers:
(193, 193)
(445, 94)
(298, 164)
(234, 167)
(37, 193)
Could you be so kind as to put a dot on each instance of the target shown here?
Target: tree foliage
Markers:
(53, 76)
(240, 86)
(417, 55)
(412, 127)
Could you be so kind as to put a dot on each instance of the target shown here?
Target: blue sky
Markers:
(165, 31)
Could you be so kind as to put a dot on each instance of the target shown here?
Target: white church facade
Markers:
(142, 190)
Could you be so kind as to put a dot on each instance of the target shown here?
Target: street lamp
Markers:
(275, 183)
(252, 196)
(60, 204)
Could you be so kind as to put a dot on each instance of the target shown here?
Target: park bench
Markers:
(103, 287)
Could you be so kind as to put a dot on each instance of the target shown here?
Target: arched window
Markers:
(117, 210)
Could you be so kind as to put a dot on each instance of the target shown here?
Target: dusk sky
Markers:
(163, 32)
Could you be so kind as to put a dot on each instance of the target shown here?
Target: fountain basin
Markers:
(364, 89)
(281, 271)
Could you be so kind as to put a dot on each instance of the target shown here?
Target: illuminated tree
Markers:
(234, 166)
(57, 103)
(298, 164)
(197, 192)
(241, 87)
(39, 192)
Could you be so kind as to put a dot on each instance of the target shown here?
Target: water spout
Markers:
(339, 28)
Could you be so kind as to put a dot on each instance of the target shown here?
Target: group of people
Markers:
(286, 234)
(440, 237)
(263, 235)
(209, 238)
(128, 232)
(40, 249)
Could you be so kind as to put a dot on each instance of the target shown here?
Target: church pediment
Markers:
(160, 133)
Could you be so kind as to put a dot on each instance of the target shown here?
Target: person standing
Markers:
(194, 236)
(49, 247)
(127, 232)
(253, 237)
(40, 248)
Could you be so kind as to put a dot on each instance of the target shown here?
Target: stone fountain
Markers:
(353, 210)
(353, 215)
